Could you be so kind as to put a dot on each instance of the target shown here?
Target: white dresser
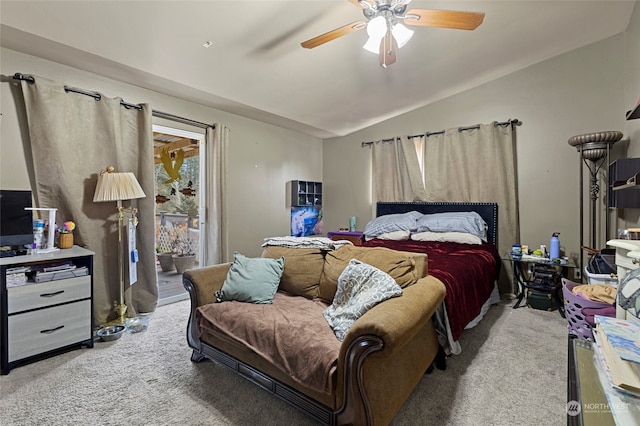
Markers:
(38, 320)
(627, 259)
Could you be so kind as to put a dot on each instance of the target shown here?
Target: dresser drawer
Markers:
(46, 329)
(39, 295)
(624, 261)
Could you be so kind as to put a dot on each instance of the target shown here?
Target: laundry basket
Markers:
(610, 279)
(573, 308)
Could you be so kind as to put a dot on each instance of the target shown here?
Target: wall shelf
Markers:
(634, 113)
(632, 182)
(624, 180)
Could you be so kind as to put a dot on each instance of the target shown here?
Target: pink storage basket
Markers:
(573, 309)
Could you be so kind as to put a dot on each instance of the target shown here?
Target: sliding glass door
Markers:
(179, 196)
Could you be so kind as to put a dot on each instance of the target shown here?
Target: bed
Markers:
(468, 271)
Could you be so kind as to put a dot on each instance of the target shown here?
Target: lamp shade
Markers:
(376, 29)
(117, 186)
(402, 34)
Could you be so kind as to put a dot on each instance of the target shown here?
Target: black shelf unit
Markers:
(306, 193)
(623, 196)
(634, 113)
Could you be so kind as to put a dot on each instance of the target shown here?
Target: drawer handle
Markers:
(52, 294)
(635, 261)
(51, 330)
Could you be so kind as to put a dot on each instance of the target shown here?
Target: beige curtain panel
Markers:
(396, 171)
(73, 137)
(477, 165)
(214, 230)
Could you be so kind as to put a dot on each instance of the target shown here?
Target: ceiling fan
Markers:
(384, 23)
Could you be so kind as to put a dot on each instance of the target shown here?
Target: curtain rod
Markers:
(514, 122)
(31, 80)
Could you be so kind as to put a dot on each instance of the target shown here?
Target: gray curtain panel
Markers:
(477, 165)
(74, 137)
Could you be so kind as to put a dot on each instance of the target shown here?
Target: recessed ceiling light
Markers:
(207, 44)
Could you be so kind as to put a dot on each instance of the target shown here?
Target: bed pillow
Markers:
(394, 236)
(469, 222)
(447, 237)
(392, 223)
(252, 280)
(360, 288)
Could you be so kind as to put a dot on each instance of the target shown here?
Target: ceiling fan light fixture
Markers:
(402, 34)
(376, 29)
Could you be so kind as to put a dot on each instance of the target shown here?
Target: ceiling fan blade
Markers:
(333, 34)
(444, 19)
(388, 49)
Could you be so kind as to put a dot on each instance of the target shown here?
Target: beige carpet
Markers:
(512, 371)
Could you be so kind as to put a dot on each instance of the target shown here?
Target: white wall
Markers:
(262, 157)
(578, 92)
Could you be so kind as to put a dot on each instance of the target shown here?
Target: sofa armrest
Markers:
(389, 336)
(202, 283)
(398, 319)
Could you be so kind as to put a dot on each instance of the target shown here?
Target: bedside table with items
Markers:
(539, 281)
(354, 236)
(46, 305)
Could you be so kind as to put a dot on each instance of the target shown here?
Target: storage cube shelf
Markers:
(306, 193)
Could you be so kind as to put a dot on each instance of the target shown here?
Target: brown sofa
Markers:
(368, 375)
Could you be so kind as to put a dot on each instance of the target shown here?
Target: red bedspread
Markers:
(467, 271)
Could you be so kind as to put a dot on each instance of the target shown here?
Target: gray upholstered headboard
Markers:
(488, 211)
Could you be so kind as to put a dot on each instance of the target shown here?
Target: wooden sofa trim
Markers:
(354, 409)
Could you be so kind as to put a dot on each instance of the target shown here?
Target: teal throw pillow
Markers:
(252, 280)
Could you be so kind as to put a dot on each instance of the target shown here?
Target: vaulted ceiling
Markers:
(256, 67)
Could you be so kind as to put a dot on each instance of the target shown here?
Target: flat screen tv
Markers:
(16, 223)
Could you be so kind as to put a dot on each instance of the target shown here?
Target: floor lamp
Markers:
(118, 187)
(594, 153)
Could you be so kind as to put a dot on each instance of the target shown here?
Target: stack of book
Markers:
(545, 277)
(60, 274)
(617, 352)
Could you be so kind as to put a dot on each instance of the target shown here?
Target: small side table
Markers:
(526, 281)
(354, 236)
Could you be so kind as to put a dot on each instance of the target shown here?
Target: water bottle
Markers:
(554, 246)
(38, 233)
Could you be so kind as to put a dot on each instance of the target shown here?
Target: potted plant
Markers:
(182, 245)
(165, 259)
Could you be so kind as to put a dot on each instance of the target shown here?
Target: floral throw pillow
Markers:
(360, 288)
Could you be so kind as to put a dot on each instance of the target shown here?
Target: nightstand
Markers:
(39, 319)
(354, 236)
(534, 276)
(627, 259)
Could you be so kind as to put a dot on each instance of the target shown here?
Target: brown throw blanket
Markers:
(291, 334)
